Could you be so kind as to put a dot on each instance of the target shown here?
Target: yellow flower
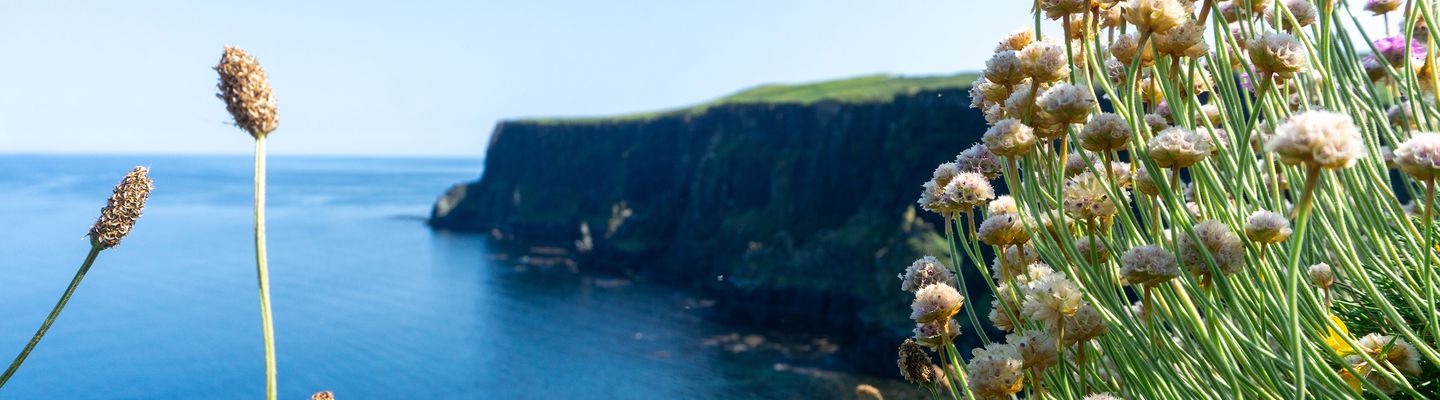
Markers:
(1336, 340)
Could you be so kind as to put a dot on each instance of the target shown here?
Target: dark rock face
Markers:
(791, 216)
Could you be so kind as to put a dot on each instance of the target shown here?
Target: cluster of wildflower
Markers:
(1261, 147)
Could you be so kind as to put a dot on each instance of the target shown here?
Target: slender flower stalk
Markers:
(115, 222)
(248, 97)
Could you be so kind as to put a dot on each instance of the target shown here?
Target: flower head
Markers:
(1154, 15)
(1003, 68)
(978, 158)
(996, 371)
(1381, 6)
(1185, 40)
(1217, 239)
(1304, 13)
(1321, 275)
(1037, 349)
(1319, 138)
(1420, 156)
(1143, 182)
(246, 92)
(1178, 147)
(934, 302)
(969, 190)
(935, 334)
(1003, 230)
(1267, 227)
(924, 272)
(1009, 138)
(1394, 50)
(1002, 205)
(1086, 198)
(1148, 265)
(1068, 103)
(1044, 61)
(1125, 47)
(1393, 350)
(1086, 324)
(1105, 132)
(1016, 40)
(1277, 53)
(122, 209)
(1051, 299)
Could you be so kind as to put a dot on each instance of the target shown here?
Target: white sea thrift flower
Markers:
(1000, 318)
(1086, 198)
(1304, 13)
(1068, 103)
(1092, 249)
(935, 302)
(1143, 182)
(1015, 261)
(1178, 148)
(1185, 40)
(1222, 243)
(944, 173)
(1420, 156)
(1003, 68)
(1037, 349)
(1075, 164)
(1009, 138)
(1321, 275)
(1156, 123)
(983, 93)
(924, 272)
(996, 371)
(1400, 353)
(1154, 15)
(978, 158)
(1044, 61)
(1124, 49)
(1002, 205)
(1086, 324)
(1380, 7)
(969, 190)
(1054, 9)
(1105, 132)
(1148, 265)
(1319, 138)
(1003, 230)
(1277, 53)
(1051, 299)
(1267, 227)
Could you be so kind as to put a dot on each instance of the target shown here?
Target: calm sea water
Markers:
(368, 302)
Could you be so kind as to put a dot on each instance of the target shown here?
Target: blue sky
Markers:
(432, 78)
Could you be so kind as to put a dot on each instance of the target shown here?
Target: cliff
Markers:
(795, 215)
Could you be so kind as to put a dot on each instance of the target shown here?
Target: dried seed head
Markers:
(1009, 138)
(867, 391)
(1319, 138)
(246, 92)
(1420, 156)
(1178, 147)
(996, 371)
(915, 364)
(1400, 353)
(1068, 103)
(1105, 132)
(1003, 230)
(1037, 349)
(1277, 53)
(923, 272)
(1267, 227)
(1222, 244)
(1321, 275)
(123, 208)
(934, 302)
(1148, 265)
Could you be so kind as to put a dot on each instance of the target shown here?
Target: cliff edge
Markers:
(795, 215)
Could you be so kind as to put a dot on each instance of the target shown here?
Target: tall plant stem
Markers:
(1428, 248)
(1301, 217)
(54, 313)
(261, 268)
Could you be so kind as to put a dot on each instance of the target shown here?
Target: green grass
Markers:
(864, 89)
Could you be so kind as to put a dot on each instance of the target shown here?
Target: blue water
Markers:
(369, 303)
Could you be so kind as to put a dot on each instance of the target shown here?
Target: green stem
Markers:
(261, 269)
(54, 313)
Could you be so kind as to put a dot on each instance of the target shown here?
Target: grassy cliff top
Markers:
(864, 89)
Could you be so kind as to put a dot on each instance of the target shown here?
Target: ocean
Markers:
(368, 301)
